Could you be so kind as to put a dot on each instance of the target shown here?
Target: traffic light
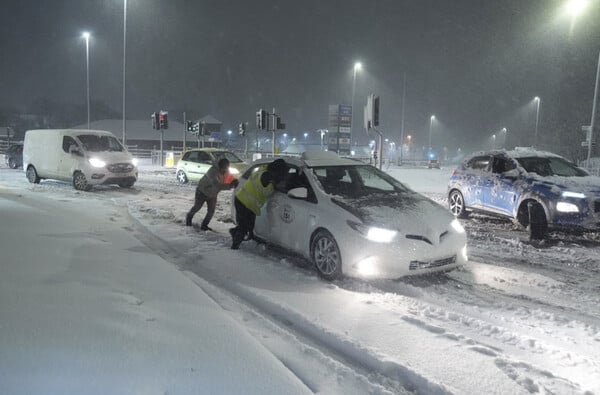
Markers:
(278, 124)
(261, 120)
(154, 117)
(163, 120)
(376, 111)
(189, 126)
(242, 129)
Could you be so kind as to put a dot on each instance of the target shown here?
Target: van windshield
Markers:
(98, 143)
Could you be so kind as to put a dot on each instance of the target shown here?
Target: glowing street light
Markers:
(305, 135)
(86, 37)
(576, 7)
(493, 141)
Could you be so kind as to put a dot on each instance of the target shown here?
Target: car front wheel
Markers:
(326, 256)
(80, 183)
(181, 177)
(457, 204)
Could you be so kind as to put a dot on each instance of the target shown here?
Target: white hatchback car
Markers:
(350, 218)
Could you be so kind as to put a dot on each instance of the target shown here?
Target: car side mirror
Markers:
(511, 174)
(74, 150)
(298, 193)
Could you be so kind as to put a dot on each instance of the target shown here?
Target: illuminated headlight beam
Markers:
(565, 207)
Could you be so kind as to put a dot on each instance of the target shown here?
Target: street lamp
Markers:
(124, 64)
(505, 136)
(409, 138)
(493, 141)
(305, 135)
(86, 37)
(431, 128)
(537, 119)
(576, 7)
(357, 67)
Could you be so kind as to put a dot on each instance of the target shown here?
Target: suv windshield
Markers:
(551, 166)
(230, 156)
(97, 143)
(356, 181)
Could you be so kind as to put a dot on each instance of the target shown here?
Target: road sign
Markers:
(586, 143)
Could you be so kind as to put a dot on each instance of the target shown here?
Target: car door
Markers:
(501, 191)
(288, 217)
(476, 170)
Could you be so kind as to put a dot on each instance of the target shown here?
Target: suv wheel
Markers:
(456, 202)
(538, 224)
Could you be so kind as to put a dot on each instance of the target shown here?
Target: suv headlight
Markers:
(97, 162)
(565, 207)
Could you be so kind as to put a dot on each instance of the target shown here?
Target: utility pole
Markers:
(402, 118)
(593, 121)
(184, 132)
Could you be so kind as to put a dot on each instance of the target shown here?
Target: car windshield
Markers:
(99, 143)
(230, 156)
(356, 181)
(551, 166)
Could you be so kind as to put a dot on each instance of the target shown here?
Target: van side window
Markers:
(68, 141)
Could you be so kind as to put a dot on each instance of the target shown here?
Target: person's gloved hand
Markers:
(234, 183)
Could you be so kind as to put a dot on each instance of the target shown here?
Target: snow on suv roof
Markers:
(325, 158)
(525, 152)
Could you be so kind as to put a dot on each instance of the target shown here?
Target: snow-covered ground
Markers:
(518, 318)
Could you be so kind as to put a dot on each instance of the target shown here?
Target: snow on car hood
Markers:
(585, 185)
(409, 212)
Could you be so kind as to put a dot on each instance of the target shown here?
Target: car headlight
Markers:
(569, 194)
(455, 224)
(135, 161)
(565, 207)
(97, 162)
(372, 233)
(233, 171)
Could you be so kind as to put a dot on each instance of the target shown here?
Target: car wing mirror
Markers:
(511, 174)
(298, 193)
(74, 150)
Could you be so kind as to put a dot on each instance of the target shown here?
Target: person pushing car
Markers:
(207, 190)
(252, 196)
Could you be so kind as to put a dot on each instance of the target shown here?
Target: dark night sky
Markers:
(475, 64)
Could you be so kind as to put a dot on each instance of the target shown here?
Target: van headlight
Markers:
(372, 233)
(135, 161)
(97, 162)
(565, 207)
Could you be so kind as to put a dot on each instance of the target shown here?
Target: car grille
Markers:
(120, 167)
(415, 265)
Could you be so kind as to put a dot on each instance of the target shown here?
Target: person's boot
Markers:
(238, 237)
(205, 227)
(188, 220)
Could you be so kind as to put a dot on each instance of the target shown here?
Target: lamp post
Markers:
(124, 64)
(537, 119)
(86, 37)
(357, 67)
(430, 129)
(493, 141)
(505, 136)
(409, 138)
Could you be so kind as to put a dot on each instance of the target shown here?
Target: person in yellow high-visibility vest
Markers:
(252, 196)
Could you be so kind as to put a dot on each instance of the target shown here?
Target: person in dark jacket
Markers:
(252, 196)
(207, 190)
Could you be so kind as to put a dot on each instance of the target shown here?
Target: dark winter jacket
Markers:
(212, 183)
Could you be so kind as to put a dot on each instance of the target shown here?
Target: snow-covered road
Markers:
(517, 319)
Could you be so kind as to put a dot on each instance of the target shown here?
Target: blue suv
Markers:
(539, 190)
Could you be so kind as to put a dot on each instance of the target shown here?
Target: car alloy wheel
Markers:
(326, 255)
(181, 177)
(457, 204)
(32, 176)
(79, 182)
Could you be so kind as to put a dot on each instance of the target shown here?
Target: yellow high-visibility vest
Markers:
(253, 194)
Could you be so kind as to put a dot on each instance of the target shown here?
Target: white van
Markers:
(85, 157)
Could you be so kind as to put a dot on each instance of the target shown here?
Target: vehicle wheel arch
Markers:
(522, 211)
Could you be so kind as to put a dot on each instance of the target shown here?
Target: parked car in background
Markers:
(433, 164)
(195, 163)
(14, 156)
(539, 190)
(350, 218)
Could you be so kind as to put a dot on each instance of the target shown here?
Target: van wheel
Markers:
(80, 183)
(326, 255)
(32, 175)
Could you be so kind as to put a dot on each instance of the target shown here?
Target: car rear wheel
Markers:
(32, 175)
(80, 183)
(181, 177)
(326, 255)
(457, 204)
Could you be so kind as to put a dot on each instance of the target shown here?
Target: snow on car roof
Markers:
(524, 152)
(325, 158)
